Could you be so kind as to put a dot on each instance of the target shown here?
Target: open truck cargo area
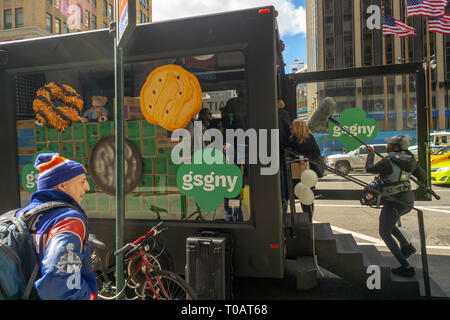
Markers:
(230, 51)
(233, 55)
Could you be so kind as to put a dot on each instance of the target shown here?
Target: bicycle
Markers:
(155, 284)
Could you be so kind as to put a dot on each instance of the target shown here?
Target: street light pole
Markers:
(120, 168)
(125, 23)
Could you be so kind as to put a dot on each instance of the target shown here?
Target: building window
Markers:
(66, 28)
(140, 16)
(65, 6)
(19, 17)
(105, 8)
(110, 11)
(48, 18)
(87, 18)
(94, 21)
(80, 10)
(7, 19)
(94, 3)
(105, 25)
(57, 26)
(347, 28)
(57, 4)
(49, 1)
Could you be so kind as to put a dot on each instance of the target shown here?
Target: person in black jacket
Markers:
(302, 141)
(397, 196)
(284, 126)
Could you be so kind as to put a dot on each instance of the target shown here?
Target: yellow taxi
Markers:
(440, 172)
(440, 155)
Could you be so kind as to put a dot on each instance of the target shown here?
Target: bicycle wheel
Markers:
(158, 258)
(166, 285)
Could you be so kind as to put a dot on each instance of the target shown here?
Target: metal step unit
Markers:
(342, 256)
(358, 263)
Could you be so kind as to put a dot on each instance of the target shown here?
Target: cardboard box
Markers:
(26, 140)
(23, 124)
(166, 143)
(160, 132)
(164, 147)
(40, 133)
(131, 108)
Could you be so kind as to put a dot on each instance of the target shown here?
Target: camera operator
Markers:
(397, 197)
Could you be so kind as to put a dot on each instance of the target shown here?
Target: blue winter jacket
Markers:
(58, 236)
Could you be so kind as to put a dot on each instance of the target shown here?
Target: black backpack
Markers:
(19, 263)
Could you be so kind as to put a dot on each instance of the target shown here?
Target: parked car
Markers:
(439, 140)
(356, 159)
(440, 155)
(414, 151)
(440, 172)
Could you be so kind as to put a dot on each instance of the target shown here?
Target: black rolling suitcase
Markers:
(209, 265)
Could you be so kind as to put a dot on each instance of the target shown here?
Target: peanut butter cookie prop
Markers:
(170, 97)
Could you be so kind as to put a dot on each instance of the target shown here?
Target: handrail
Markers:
(423, 252)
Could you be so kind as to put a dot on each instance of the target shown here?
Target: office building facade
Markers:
(21, 19)
(345, 34)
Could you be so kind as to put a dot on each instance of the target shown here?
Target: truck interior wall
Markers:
(9, 186)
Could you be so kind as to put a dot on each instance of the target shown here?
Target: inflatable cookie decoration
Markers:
(170, 97)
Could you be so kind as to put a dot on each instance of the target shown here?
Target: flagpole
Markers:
(386, 124)
(385, 80)
(385, 87)
(430, 95)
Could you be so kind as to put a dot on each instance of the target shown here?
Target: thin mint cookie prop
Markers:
(170, 97)
(52, 115)
(102, 165)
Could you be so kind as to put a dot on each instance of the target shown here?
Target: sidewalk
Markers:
(438, 270)
(331, 287)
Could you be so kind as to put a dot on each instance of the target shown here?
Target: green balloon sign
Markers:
(211, 181)
(29, 178)
(30, 174)
(356, 122)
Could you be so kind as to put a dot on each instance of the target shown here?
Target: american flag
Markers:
(429, 8)
(395, 26)
(439, 24)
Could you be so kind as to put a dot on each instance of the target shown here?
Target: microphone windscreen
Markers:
(319, 120)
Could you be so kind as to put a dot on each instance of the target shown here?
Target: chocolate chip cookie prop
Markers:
(170, 97)
(53, 116)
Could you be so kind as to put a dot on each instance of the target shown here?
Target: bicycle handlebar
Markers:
(131, 245)
(127, 247)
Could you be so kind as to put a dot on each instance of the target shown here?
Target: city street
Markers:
(350, 216)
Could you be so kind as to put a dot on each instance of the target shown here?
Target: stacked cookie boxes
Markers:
(76, 142)
(26, 148)
(158, 187)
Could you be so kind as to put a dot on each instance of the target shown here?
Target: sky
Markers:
(291, 18)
